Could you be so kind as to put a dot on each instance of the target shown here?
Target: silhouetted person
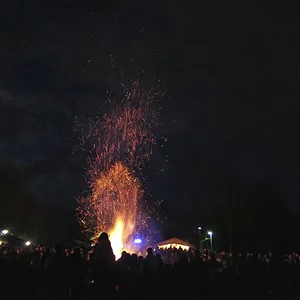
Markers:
(150, 263)
(78, 274)
(160, 262)
(212, 269)
(149, 267)
(103, 250)
(57, 270)
(46, 255)
(123, 261)
(102, 266)
(134, 263)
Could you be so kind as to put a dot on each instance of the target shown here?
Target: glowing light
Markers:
(199, 228)
(209, 233)
(120, 143)
(116, 238)
(177, 246)
(137, 241)
(27, 243)
(4, 232)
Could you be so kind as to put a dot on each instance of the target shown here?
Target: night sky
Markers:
(230, 70)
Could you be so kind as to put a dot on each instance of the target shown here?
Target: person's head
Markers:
(103, 237)
(150, 251)
(134, 257)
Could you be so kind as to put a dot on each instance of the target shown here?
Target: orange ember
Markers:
(121, 142)
(112, 206)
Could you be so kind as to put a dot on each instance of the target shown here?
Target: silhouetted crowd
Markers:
(92, 273)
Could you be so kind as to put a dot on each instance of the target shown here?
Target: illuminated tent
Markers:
(174, 243)
(11, 239)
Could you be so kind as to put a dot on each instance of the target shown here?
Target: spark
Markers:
(120, 143)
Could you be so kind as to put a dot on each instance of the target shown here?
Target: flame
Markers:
(112, 206)
(116, 238)
(121, 142)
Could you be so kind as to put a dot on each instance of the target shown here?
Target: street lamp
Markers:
(210, 238)
(4, 232)
(200, 244)
(27, 243)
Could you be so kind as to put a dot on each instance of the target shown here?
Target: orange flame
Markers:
(112, 206)
(121, 144)
(116, 238)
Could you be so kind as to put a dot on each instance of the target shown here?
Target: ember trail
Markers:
(123, 140)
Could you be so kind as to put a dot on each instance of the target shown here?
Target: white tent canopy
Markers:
(174, 243)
